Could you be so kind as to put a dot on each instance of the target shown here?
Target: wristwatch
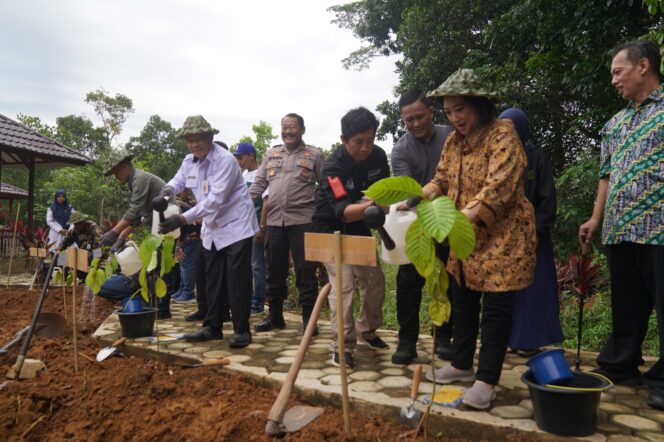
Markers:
(262, 227)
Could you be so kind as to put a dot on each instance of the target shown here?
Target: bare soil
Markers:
(137, 399)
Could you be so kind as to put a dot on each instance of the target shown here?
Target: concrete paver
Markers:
(378, 386)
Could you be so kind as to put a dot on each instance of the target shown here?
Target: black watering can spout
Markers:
(160, 204)
(374, 218)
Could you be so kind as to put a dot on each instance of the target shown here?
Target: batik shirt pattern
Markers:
(633, 158)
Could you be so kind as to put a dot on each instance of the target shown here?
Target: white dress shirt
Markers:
(223, 201)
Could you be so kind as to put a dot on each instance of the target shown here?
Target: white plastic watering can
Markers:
(172, 209)
(396, 224)
(129, 260)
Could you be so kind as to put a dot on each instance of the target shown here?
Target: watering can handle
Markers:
(393, 208)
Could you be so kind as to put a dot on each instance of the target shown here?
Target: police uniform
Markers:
(291, 176)
(344, 179)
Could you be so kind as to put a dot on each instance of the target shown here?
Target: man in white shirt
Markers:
(229, 226)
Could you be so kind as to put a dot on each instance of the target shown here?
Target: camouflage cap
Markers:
(196, 124)
(116, 159)
(77, 217)
(463, 82)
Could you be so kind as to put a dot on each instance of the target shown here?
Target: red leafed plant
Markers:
(580, 275)
(29, 238)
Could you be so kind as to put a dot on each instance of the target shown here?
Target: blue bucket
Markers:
(550, 367)
(133, 305)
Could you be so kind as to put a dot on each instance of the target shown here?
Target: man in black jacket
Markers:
(340, 205)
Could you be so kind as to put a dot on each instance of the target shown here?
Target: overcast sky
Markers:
(236, 63)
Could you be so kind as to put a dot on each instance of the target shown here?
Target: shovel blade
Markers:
(410, 415)
(299, 416)
(105, 352)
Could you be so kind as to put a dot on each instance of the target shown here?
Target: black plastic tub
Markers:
(570, 410)
(137, 324)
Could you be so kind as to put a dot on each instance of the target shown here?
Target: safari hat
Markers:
(77, 217)
(116, 159)
(463, 82)
(196, 124)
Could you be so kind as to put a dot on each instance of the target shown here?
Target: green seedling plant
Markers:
(437, 221)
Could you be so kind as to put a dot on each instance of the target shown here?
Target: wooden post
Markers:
(72, 262)
(13, 247)
(341, 347)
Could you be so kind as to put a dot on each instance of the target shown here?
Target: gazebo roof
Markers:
(9, 192)
(18, 142)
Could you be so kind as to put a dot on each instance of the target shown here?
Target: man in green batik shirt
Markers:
(630, 200)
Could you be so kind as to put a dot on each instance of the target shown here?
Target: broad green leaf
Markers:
(145, 294)
(153, 262)
(57, 277)
(437, 217)
(462, 236)
(440, 311)
(431, 282)
(108, 269)
(393, 190)
(70, 279)
(167, 256)
(443, 283)
(147, 248)
(143, 278)
(100, 277)
(419, 249)
(114, 262)
(160, 288)
(94, 263)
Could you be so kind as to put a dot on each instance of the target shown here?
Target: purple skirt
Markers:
(536, 318)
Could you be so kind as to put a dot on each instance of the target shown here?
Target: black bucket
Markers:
(570, 410)
(137, 324)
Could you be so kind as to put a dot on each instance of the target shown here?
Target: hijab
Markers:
(62, 211)
(521, 124)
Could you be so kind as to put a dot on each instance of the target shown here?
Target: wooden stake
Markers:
(340, 332)
(64, 293)
(73, 303)
(13, 248)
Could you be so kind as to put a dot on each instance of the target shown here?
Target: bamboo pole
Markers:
(13, 248)
(340, 332)
(74, 250)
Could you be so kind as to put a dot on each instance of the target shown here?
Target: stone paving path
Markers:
(378, 386)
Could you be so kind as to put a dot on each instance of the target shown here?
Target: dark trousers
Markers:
(637, 286)
(201, 296)
(281, 241)
(496, 326)
(228, 282)
(409, 298)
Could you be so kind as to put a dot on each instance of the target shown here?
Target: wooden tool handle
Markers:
(119, 342)
(584, 249)
(279, 407)
(220, 361)
(416, 381)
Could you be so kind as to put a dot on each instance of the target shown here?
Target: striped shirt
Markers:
(633, 159)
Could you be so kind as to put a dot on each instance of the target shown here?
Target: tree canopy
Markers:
(550, 58)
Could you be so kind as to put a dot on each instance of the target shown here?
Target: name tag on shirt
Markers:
(204, 187)
(191, 182)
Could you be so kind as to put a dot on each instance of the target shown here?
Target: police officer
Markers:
(291, 170)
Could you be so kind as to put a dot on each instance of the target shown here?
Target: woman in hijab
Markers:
(480, 170)
(57, 218)
(536, 310)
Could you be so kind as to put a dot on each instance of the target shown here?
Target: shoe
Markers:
(185, 299)
(256, 311)
(270, 324)
(444, 349)
(656, 398)
(376, 343)
(406, 352)
(204, 334)
(164, 314)
(629, 380)
(196, 316)
(349, 359)
(239, 340)
(480, 395)
(449, 374)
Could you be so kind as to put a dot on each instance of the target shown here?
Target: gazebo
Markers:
(21, 146)
(11, 193)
